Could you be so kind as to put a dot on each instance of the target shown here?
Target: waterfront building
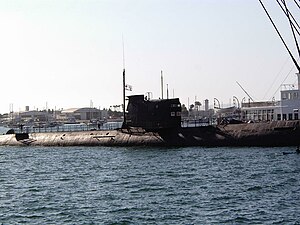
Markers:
(259, 111)
(287, 108)
(81, 114)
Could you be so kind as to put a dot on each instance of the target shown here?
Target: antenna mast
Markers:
(124, 84)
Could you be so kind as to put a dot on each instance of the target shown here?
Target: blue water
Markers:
(101, 185)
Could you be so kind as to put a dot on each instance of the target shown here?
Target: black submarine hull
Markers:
(266, 134)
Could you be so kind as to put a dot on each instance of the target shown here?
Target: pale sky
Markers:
(65, 53)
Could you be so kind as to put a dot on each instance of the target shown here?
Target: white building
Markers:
(290, 103)
(285, 109)
(260, 111)
(75, 114)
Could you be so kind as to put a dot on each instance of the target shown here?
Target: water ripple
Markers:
(102, 185)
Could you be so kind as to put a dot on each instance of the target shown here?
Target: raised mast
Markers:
(124, 85)
(124, 114)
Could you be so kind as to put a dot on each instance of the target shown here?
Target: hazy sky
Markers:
(65, 53)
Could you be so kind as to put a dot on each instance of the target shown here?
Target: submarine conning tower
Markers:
(153, 114)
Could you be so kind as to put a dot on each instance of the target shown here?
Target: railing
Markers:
(105, 126)
(196, 123)
(69, 128)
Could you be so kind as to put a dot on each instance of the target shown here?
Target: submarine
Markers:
(157, 122)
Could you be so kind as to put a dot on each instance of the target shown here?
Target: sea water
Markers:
(106, 185)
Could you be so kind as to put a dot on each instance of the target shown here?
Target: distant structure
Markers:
(48, 117)
(287, 108)
(206, 107)
(290, 103)
(80, 114)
